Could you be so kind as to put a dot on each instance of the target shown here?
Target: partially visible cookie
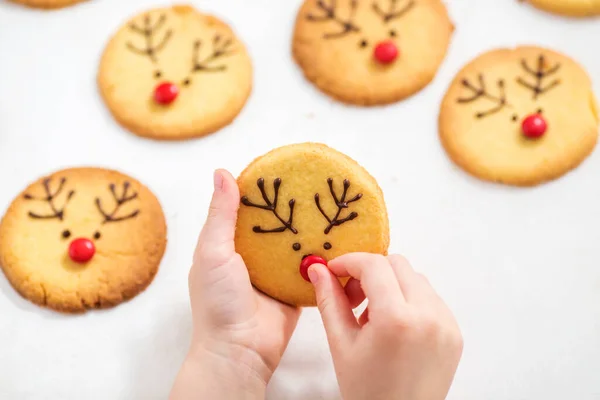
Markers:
(174, 73)
(519, 116)
(302, 204)
(82, 238)
(570, 8)
(47, 4)
(371, 52)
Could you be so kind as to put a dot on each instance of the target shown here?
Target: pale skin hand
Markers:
(406, 345)
(239, 335)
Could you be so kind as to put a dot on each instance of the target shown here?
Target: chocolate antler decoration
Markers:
(272, 206)
(149, 31)
(331, 15)
(341, 203)
(539, 76)
(221, 48)
(481, 92)
(119, 201)
(49, 198)
(392, 13)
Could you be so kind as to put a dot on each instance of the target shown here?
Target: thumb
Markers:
(217, 236)
(334, 305)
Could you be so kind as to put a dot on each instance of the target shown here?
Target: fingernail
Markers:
(313, 275)
(218, 180)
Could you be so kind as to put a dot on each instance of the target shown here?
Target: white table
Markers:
(519, 267)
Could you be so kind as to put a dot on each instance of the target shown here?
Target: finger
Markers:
(216, 241)
(414, 286)
(354, 292)
(334, 306)
(377, 279)
(364, 317)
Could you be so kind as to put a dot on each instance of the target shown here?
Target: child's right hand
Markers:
(406, 345)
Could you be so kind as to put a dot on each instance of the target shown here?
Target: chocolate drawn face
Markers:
(54, 200)
(341, 202)
(385, 50)
(533, 125)
(154, 37)
(317, 241)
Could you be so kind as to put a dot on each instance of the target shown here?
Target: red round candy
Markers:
(385, 52)
(534, 126)
(166, 93)
(307, 262)
(82, 250)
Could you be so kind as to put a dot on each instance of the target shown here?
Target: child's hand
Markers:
(237, 331)
(406, 345)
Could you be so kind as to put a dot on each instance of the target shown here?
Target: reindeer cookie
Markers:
(371, 52)
(174, 73)
(81, 239)
(519, 116)
(47, 4)
(572, 8)
(303, 204)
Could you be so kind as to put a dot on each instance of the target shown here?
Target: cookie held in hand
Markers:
(174, 73)
(303, 204)
(82, 238)
(371, 52)
(519, 116)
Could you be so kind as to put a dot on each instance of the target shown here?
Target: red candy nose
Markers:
(385, 52)
(307, 262)
(82, 250)
(534, 126)
(166, 93)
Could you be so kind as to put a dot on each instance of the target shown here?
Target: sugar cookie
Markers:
(301, 204)
(371, 52)
(519, 116)
(570, 8)
(82, 238)
(47, 4)
(174, 73)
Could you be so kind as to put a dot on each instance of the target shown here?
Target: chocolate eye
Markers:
(515, 117)
(296, 246)
(363, 43)
(392, 33)
(66, 233)
(539, 111)
(97, 235)
(327, 246)
(157, 74)
(187, 82)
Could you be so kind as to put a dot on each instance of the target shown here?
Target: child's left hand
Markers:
(233, 323)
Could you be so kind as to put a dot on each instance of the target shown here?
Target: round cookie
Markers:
(300, 202)
(519, 116)
(371, 53)
(174, 73)
(47, 4)
(82, 238)
(570, 8)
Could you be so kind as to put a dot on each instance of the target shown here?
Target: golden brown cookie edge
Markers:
(47, 4)
(41, 299)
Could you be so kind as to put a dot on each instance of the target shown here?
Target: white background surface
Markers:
(519, 267)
